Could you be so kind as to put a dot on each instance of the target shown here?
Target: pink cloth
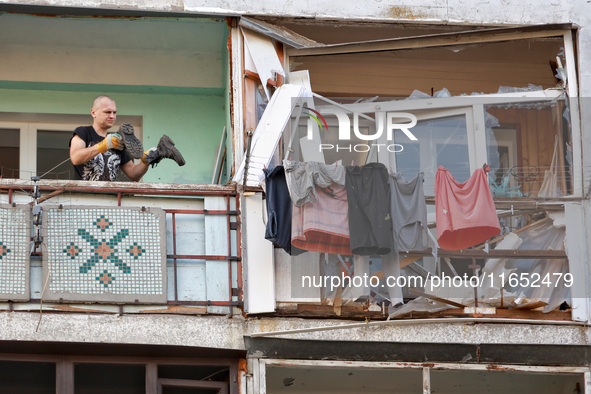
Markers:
(323, 226)
(465, 212)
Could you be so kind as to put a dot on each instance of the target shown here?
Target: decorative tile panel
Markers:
(15, 251)
(115, 254)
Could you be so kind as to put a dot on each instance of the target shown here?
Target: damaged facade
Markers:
(169, 285)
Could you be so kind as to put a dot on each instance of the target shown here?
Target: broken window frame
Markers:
(564, 31)
(479, 154)
(298, 45)
(473, 107)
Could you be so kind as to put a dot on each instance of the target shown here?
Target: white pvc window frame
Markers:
(28, 141)
(472, 107)
(476, 37)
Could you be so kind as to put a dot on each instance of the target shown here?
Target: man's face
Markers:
(104, 114)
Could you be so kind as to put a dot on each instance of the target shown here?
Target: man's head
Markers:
(104, 112)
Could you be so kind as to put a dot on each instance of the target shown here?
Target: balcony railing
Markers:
(203, 271)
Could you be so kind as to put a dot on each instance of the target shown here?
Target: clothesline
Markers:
(375, 212)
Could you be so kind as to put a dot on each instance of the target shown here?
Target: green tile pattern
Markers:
(94, 251)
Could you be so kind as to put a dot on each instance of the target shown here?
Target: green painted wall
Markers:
(173, 72)
(193, 121)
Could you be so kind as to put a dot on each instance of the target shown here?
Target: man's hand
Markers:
(111, 141)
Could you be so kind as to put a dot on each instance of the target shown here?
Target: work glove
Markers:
(111, 141)
(147, 156)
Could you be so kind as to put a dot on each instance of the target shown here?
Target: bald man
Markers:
(98, 155)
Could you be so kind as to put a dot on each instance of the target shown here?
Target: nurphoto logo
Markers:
(386, 122)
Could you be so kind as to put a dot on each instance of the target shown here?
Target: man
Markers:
(98, 155)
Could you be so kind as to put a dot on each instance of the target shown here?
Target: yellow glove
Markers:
(111, 141)
(145, 156)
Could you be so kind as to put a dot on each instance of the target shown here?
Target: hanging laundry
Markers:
(303, 177)
(279, 209)
(465, 212)
(368, 194)
(323, 226)
(409, 212)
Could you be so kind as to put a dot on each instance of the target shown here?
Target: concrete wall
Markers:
(452, 11)
(225, 332)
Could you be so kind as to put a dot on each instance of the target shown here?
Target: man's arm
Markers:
(79, 153)
(134, 171)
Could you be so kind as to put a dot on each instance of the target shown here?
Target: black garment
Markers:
(370, 222)
(102, 167)
(279, 210)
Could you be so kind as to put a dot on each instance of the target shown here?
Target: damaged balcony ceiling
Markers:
(392, 60)
(481, 68)
(336, 32)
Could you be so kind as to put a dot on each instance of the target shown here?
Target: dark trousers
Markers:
(368, 194)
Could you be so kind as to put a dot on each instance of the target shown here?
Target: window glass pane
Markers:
(53, 153)
(504, 382)
(194, 372)
(109, 378)
(187, 390)
(27, 377)
(529, 149)
(344, 380)
(441, 141)
(353, 151)
(9, 152)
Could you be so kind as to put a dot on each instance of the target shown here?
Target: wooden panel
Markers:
(151, 378)
(65, 377)
(460, 69)
(250, 116)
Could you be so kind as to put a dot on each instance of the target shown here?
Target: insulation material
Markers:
(495, 269)
(543, 236)
(495, 292)
(360, 269)
(540, 236)
(419, 304)
(263, 56)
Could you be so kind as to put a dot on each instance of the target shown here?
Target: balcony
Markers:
(120, 247)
